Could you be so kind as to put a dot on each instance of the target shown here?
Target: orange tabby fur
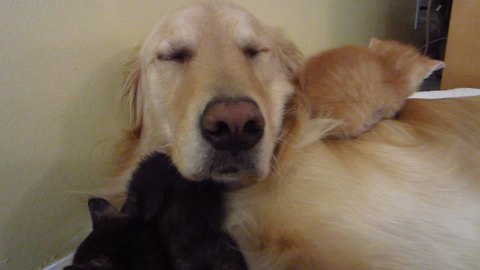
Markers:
(359, 86)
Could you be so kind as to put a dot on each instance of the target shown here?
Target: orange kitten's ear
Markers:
(434, 65)
(374, 42)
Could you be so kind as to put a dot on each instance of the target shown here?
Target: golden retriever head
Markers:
(209, 88)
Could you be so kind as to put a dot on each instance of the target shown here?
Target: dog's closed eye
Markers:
(180, 55)
(252, 51)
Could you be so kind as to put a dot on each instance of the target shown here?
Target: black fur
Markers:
(169, 222)
(120, 242)
(189, 215)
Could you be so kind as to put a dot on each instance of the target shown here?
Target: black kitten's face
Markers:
(119, 242)
(107, 246)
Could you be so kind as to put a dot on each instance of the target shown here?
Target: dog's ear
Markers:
(288, 52)
(132, 90)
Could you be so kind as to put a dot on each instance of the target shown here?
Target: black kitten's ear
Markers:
(147, 210)
(99, 208)
(130, 207)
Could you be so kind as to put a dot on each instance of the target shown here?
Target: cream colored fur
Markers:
(168, 97)
(404, 196)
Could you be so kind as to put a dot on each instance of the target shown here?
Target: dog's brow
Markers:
(169, 46)
(253, 43)
(245, 29)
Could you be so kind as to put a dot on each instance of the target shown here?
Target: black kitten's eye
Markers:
(251, 52)
(180, 56)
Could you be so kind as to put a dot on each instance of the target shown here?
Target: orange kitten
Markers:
(360, 86)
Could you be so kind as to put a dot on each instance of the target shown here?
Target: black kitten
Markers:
(119, 242)
(189, 215)
(167, 222)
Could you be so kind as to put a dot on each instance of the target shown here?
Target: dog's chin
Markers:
(229, 174)
(226, 177)
(224, 167)
(235, 174)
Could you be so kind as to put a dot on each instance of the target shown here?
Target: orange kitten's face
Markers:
(405, 61)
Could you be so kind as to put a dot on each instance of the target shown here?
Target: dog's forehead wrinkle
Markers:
(180, 30)
(245, 29)
(190, 15)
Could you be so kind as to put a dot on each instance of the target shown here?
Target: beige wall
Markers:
(60, 74)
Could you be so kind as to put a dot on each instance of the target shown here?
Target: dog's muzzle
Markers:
(232, 127)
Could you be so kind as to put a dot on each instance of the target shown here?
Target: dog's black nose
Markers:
(232, 124)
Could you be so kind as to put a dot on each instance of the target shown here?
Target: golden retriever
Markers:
(216, 90)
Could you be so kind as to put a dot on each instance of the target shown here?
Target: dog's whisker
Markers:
(276, 167)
